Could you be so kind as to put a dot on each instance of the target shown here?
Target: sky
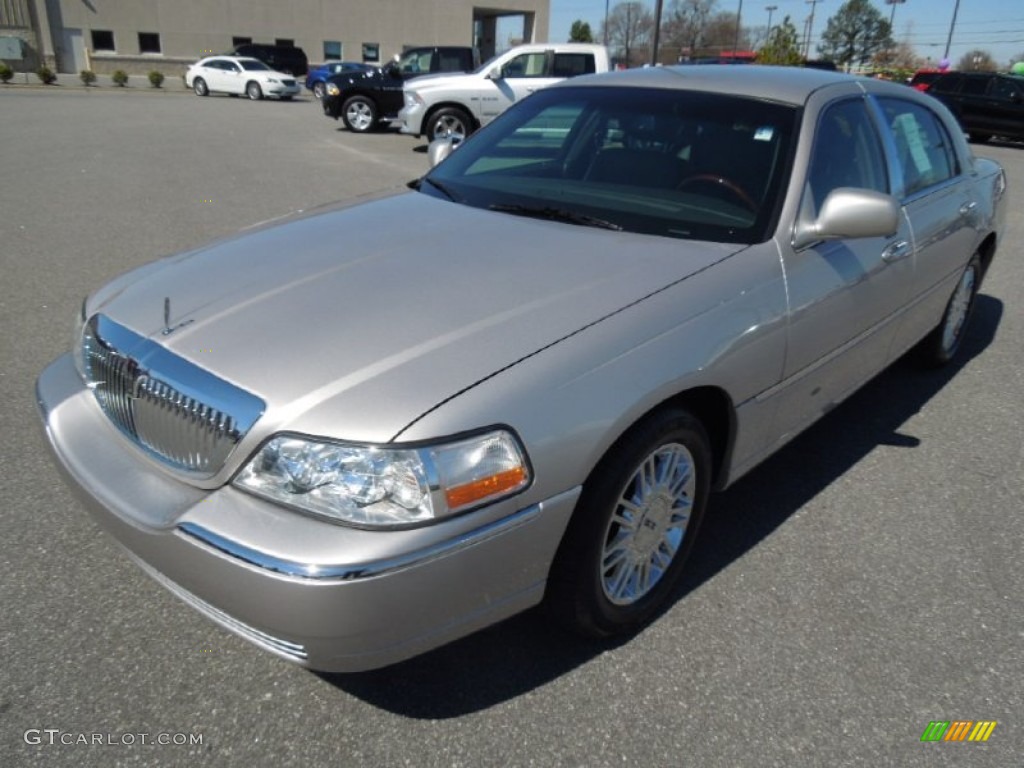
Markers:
(996, 26)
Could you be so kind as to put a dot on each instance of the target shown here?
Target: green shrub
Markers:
(156, 79)
(88, 77)
(120, 77)
(47, 75)
(6, 73)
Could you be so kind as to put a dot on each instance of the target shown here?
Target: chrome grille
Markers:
(183, 414)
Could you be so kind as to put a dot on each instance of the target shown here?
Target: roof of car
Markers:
(791, 85)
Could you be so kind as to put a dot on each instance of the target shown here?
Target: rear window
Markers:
(573, 64)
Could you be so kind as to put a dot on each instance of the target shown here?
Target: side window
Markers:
(947, 84)
(572, 64)
(976, 85)
(1004, 89)
(526, 65)
(923, 147)
(847, 152)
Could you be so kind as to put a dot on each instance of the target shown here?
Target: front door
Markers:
(71, 57)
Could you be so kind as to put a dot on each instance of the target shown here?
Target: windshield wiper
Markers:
(442, 188)
(556, 214)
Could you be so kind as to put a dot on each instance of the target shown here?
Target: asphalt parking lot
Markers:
(862, 583)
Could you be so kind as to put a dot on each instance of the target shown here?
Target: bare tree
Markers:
(629, 29)
(977, 61)
(684, 24)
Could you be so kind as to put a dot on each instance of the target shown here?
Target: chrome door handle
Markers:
(896, 251)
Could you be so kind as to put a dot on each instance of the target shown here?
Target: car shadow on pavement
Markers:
(527, 651)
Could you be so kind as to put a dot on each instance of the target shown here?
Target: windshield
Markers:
(658, 161)
(254, 66)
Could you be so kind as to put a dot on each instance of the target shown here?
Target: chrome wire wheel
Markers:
(648, 525)
(959, 309)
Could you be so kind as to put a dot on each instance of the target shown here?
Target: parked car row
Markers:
(986, 104)
(432, 92)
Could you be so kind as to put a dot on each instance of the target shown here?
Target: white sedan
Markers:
(237, 74)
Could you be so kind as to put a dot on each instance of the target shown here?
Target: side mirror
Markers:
(439, 149)
(852, 213)
(494, 74)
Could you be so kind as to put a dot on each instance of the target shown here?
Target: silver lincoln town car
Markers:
(376, 427)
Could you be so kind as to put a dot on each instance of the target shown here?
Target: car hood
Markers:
(355, 321)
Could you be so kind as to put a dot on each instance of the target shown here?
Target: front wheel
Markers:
(253, 91)
(318, 90)
(448, 123)
(941, 345)
(359, 114)
(634, 526)
(200, 87)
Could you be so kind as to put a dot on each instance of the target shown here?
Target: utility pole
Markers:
(771, 9)
(952, 24)
(736, 40)
(657, 33)
(810, 27)
(606, 2)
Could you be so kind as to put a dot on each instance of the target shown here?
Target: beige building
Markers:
(167, 35)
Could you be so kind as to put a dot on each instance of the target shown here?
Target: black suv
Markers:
(364, 99)
(283, 58)
(986, 104)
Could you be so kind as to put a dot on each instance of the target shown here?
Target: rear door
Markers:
(931, 180)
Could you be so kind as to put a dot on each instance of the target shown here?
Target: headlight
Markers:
(386, 487)
(413, 99)
(272, 80)
(333, 89)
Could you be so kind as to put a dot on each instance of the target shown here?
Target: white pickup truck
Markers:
(458, 104)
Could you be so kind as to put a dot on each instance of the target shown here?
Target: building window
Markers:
(371, 52)
(286, 42)
(149, 42)
(332, 50)
(237, 41)
(103, 40)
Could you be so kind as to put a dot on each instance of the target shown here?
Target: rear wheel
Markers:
(449, 122)
(200, 87)
(634, 526)
(253, 91)
(941, 345)
(359, 114)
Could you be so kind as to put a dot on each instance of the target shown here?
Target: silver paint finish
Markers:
(412, 319)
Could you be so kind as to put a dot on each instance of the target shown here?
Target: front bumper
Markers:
(326, 596)
(410, 119)
(280, 89)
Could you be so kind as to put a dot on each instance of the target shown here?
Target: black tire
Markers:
(359, 114)
(942, 343)
(200, 87)
(318, 90)
(286, 97)
(448, 122)
(253, 90)
(979, 138)
(623, 534)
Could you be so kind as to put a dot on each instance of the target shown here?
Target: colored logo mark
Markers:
(958, 730)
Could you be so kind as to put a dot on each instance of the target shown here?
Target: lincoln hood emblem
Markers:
(168, 328)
